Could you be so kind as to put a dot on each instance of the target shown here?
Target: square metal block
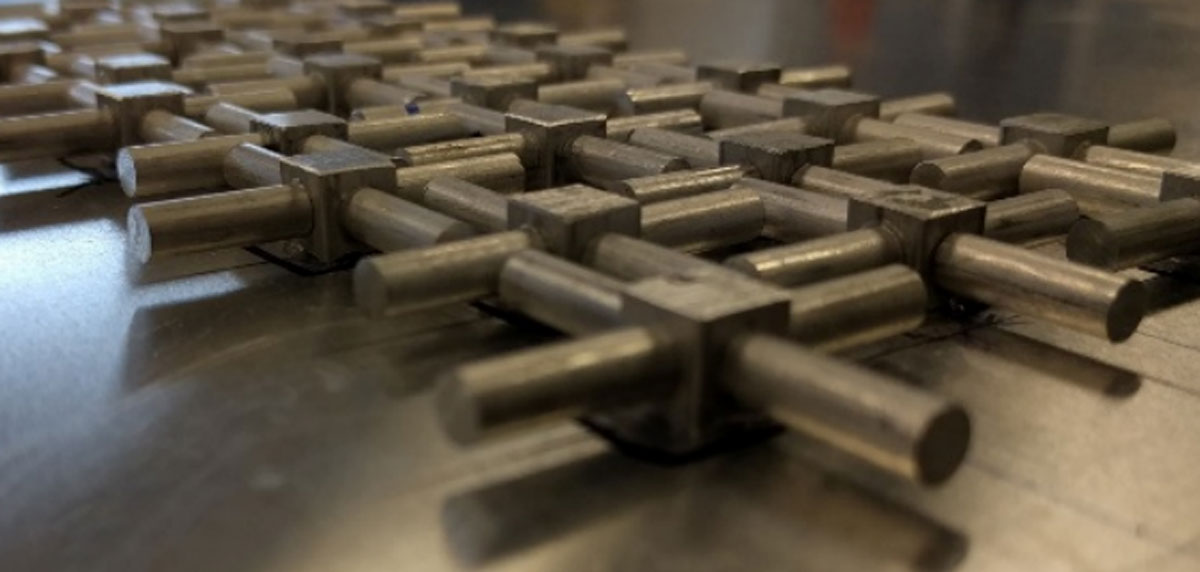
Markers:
(338, 70)
(571, 62)
(920, 218)
(126, 68)
(525, 34)
(550, 130)
(738, 75)
(827, 110)
(493, 92)
(287, 130)
(128, 103)
(776, 155)
(330, 177)
(569, 218)
(1058, 133)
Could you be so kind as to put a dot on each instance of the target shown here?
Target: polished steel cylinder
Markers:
(1031, 216)
(430, 86)
(479, 119)
(677, 184)
(597, 160)
(388, 223)
(893, 425)
(221, 220)
(325, 144)
(366, 92)
(681, 120)
(427, 277)
(471, 53)
(559, 293)
(159, 126)
(1149, 135)
(834, 75)
(933, 144)
(721, 109)
(248, 165)
(609, 38)
(632, 259)
(262, 101)
(997, 168)
(887, 159)
(537, 71)
(787, 124)
(591, 94)
(309, 91)
(858, 309)
(1136, 236)
(798, 214)
(705, 221)
(230, 118)
(988, 135)
(83, 128)
(197, 77)
(390, 134)
(1134, 161)
(668, 56)
(936, 103)
(820, 259)
(667, 72)
(838, 183)
(553, 382)
(479, 207)
(1090, 184)
(1014, 278)
(34, 98)
(666, 97)
(699, 152)
(459, 149)
(149, 170)
(394, 73)
(502, 173)
(628, 77)
(389, 50)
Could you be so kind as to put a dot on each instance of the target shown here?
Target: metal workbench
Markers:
(253, 419)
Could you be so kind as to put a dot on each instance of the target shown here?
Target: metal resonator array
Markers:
(708, 236)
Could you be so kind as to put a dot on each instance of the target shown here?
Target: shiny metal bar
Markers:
(480, 207)
(223, 220)
(502, 173)
(560, 294)
(591, 94)
(682, 120)
(161, 168)
(393, 133)
(309, 91)
(893, 425)
(387, 223)
(933, 144)
(677, 184)
(229, 118)
(465, 148)
(35, 98)
(997, 168)
(1013, 278)
(798, 214)
(1136, 236)
(630, 259)
(367, 92)
(83, 128)
(721, 109)
(1134, 161)
(247, 165)
(705, 221)
(160, 126)
(394, 73)
(988, 135)
(554, 382)
(1150, 135)
(814, 77)
(197, 106)
(666, 97)
(820, 259)
(858, 309)
(1031, 216)
(669, 56)
(936, 103)
(887, 159)
(482, 120)
(452, 272)
(699, 152)
(1090, 184)
(597, 160)
(787, 124)
(838, 183)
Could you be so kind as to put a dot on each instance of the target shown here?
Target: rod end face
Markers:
(1089, 242)
(1126, 311)
(141, 242)
(943, 446)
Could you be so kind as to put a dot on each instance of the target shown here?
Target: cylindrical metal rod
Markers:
(433, 276)
(677, 184)
(988, 135)
(33, 98)
(479, 119)
(787, 124)
(1014, 278)
(1136, 236)
(86, 127)
(667, 97)
(366, 92)
(1134, 161)
(592, 94)
(609, 38)
(556, 381)
(833, 75)
(1090, 184)
(628, 77)
(309, 91)
(538, 71)
(682, 120)
(502, 173)
(480, 207)
(670, 56)
(667, 72)
(559, 293)
(887, 159)
(699, 152)
(890, 424)
(435, 86)
(230, 118)
(598, 160)
(393, 133)
(394, 73)
(196, 77)
(263, 101)
(458, 149)
(933, 144)
(820, 259)
(705, 221)
(148, 170)
(247, 166)
(389, 223)
(936, 103)
(1150, 135)
(838, 183)
(1031, 215)
(159, 126)
(857, 309)
(721, 109)
(798, 214)
(209, 222)
(996, 168)
(632, 259)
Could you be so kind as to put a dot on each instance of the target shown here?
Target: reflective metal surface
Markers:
(254, 419)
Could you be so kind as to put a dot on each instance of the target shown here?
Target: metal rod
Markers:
(834, 75)
(721, 109)
(161, 168)
(591, 94)
(857, 309)
(458, 149)
(1090, 184)
(1150, 135)
(669, 56)
(682, 120)
(672, 96)
(480, 207)
(1134, 161)
(893, 425)
(262, 101)
(598, 160)
(209, 222)
(933, 144)
(389, 223)
(988, 135)
(632, 259)
(229, 118)
(84, 128)
(247, 165)
(705, 221)
(820, 259)
(34, 98)
(936, 103)
(367, 92)
(677, 184)
(995, 168)
(1030, 216)
(159, 126)
(787, 124)
(699, 152)
(1065, 293)
(887, 159)
(561, 294)
(798, 214)
(393, 133)
(479, 119)
(838, 183)
(1136, 236)
(502, 173)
